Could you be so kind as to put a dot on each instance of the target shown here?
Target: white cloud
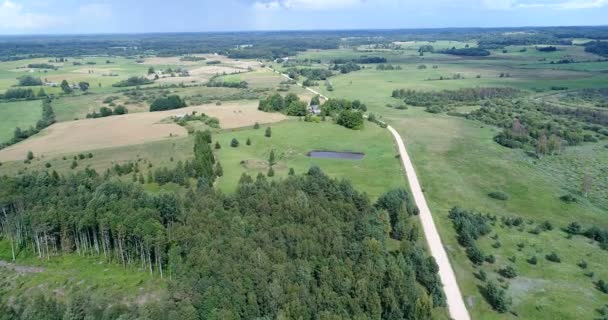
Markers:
(12, 16)
(567, 5)
(15, 17)
(307, 4)
(550, 4)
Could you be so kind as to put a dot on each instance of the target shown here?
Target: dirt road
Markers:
(454, 298)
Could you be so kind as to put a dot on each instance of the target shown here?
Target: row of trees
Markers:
(106, 112)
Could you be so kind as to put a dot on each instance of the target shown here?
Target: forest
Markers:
(276, 44)
(303, 247)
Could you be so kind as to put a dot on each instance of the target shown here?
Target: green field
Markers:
(458, 164)
(377, 172)
(22, 114)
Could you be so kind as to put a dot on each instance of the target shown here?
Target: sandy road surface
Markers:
(454, 299)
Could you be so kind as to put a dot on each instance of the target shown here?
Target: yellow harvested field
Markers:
(130, 129)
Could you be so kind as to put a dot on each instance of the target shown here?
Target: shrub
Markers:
(508, 272)
(256, 126)
(169, 103)
(29, 81)
(270, 172)
(602, 286)
(217, 145)
(533, 260)
(234, 143)
(268, 132)
(475, 255)
(568, 198)
(30, 155)
(496, 297)
(582, 264)
(553, 257)
(573, 228)
(48, 164)
(498, 195)
(248, 142)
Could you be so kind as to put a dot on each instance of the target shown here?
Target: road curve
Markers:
(456, 306)
(454, 299)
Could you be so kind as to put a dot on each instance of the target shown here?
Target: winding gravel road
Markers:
(456, 306)
(454, 299)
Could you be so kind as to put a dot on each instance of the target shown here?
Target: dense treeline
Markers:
(360, 60)
(471, 52)
(278, 44)
(42, 66)
(346, 67)
(539, 127)
(22, 94)
(452, 97)
(228, 84)
(493, 41)
(132, 82)
(597, 47)
(310, 73)
(299, 248)
(167, 103)
(47, 118)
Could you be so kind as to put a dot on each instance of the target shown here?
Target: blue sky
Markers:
(128, 16)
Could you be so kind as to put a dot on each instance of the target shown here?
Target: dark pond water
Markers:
(336, 155)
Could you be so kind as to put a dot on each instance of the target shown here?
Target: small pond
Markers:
(336, 155)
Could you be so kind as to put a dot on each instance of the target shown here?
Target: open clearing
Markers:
(23, 114)
(137, 128)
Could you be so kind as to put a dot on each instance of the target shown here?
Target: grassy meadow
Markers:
(22, 114)
(458, 164)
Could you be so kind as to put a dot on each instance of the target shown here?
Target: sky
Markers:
(142, 16)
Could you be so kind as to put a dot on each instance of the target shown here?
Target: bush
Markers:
(553, 257)
(533, 260)
(248, 142)
(568, 198)
(268, 132)
(602, 286)
(29, 81)
(350, 119)
(217, 145)
(498, 195)
(169, 103)
(496, 297)
(270, 172)
(234, 143)
(508, 272)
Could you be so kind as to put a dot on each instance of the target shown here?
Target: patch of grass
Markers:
(377, 172)
(23, 114)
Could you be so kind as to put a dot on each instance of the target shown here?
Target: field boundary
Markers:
(454, 300)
